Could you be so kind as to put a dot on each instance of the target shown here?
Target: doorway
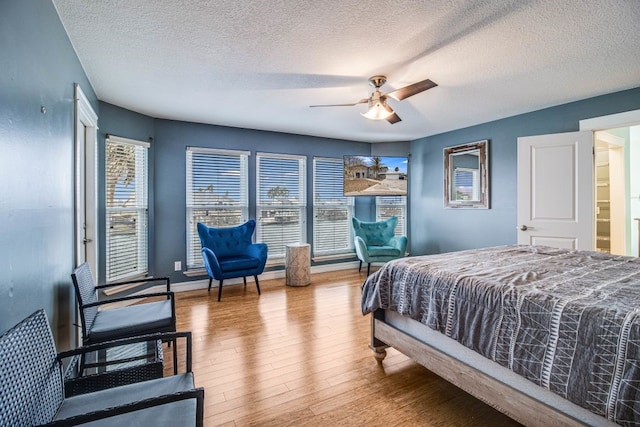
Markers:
(618, 190)
(86, 189)
(617, 186)
(86, 186)
(610, 184)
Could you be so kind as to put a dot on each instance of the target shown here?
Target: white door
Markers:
(86, 127)
(555, 190)
(81, 205)
(86, 208)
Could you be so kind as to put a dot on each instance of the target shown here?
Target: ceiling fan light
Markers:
(378, 111)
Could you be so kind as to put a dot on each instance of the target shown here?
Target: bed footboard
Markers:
(512, 395)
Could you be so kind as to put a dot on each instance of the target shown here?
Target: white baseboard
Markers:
(204, 283)
(267, 275)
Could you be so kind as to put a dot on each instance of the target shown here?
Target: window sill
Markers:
(196, 272)
(117, 289)
(334, 257)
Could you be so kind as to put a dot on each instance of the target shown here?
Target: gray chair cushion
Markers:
(133, 320)
(118, 396)
(181, 413)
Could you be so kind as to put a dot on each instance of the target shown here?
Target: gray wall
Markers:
(434, 229)
(39, 67)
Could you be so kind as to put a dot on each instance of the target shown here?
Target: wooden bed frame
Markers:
(486, 380)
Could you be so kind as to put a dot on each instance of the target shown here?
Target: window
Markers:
(388, 206)
(332, 212)
(217, 194)
(466, 184)
(281, 201)
(126, 208)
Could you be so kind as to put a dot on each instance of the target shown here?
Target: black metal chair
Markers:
(32, 385)
(109, 324)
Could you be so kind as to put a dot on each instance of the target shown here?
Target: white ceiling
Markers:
(259, 64)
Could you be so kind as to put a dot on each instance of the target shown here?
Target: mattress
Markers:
(565, 320)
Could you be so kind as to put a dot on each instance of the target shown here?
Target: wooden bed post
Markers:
(378, 347)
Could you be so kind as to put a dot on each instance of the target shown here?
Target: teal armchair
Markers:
(376, 241)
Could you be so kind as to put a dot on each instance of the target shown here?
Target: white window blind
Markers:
(466, 184)
(281, 204)
(332, 211)
(126, 208)
(388, 206)
(217, 194)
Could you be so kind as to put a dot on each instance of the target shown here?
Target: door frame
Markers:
(86, 168)
(628, 118)
(619, 227)
(612, 121)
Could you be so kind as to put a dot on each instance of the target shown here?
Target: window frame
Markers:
(193, 255)
(277, 256)
(383, 202)
(140, 211)
(347, 203)
(475, 182)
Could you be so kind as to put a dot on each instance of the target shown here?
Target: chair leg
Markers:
(368, 269)
(210, 279)
(219, 290)
(175, 356)
(245, 281)
(257, 284)
(360, 268)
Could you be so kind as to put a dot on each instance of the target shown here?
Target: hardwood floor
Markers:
(299, 356)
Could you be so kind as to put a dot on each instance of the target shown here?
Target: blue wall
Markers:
(171, 140)
(434, 229)
(39, 68)
(167, 179)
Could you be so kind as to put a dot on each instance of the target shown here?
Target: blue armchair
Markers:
(376, 242)
(229, 253)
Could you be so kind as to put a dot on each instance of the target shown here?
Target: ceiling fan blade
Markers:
(362, 101)
(394, 118)
(407, 91)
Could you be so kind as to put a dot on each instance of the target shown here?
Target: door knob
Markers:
(525, 228)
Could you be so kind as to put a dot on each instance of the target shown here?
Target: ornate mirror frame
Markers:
(469, 165)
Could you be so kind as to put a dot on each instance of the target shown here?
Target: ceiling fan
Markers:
(378, 107)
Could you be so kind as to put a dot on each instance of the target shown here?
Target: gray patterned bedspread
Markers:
(566, 320)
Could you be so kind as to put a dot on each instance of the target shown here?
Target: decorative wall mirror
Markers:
(466, 176)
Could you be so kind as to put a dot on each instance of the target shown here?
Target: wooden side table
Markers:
(298, 264)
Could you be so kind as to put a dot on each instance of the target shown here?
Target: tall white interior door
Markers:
(86, 188)
(555, 190)
(86, 127)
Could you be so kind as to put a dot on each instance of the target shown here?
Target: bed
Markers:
(548, 336)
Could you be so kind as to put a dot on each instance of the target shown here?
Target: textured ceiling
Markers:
(260, 64)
